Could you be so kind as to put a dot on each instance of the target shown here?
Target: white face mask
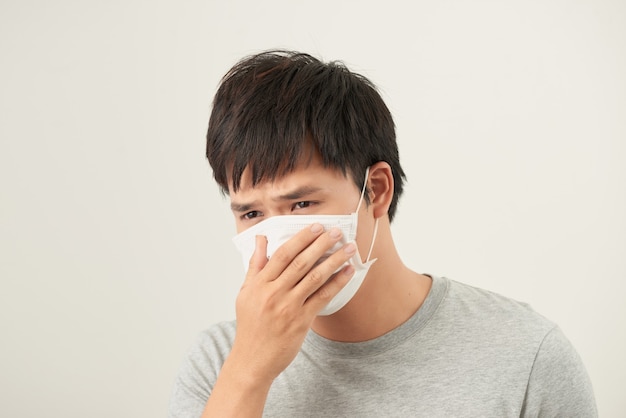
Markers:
(279, 229)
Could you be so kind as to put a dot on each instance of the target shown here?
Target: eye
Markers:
(251, 215)
(303, 204)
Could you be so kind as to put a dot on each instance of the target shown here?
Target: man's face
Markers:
(309, 189)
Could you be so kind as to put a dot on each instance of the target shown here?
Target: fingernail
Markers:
(316, 228)
(350, 249)
(335, 233)
(349, 270)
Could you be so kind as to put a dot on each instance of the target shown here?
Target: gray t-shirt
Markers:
(466, 352)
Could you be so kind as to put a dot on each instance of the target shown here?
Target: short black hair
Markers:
(270, 106)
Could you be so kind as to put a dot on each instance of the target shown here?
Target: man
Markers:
(333, 324)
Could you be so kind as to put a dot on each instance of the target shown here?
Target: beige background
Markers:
(115, 244)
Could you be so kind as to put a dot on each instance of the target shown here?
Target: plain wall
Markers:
(115, 244)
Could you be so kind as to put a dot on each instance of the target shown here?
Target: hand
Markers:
(281, 297)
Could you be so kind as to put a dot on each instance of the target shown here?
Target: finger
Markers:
(287, 252)
(308, 258)
(259, 257)
(320, 274)
(318, 300)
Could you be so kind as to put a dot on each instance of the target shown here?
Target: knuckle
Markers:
(324, 293)
(286, 313)
(316, 276)
(283, 256)
(299, 264)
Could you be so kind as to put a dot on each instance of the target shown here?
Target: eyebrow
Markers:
(296, 194)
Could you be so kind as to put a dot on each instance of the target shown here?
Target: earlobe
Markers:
(380, 186)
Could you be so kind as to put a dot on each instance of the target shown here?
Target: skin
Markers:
(280, 298)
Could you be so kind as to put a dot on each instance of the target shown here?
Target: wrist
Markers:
(243, 373)
(237, 393)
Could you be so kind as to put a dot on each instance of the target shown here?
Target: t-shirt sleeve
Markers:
(559, 385)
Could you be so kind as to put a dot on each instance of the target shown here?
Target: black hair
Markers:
(271, 106)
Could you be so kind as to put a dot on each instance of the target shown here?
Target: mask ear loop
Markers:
(369, 253)
(367, 172)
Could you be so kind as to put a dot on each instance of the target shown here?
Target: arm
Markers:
(275, 309)
(558, 383)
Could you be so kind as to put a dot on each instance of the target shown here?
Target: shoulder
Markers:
(494, 328)
(200, 368)
(221, 334)
(214, 344)
(486, 309)
(510, 333)
(559, 384)
(205, 358)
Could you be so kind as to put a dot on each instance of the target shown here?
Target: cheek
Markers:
(239, 225)
(244, 224)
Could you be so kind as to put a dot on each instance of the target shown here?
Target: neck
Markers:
(390, 294)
